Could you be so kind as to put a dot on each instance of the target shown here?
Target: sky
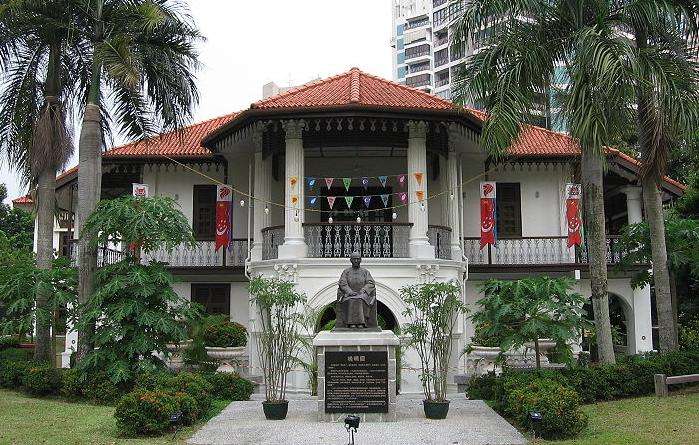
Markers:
(250, 43)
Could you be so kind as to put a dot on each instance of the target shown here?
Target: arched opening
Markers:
(618, 320)
(386, 319)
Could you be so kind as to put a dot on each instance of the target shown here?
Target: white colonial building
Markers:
(312, 156)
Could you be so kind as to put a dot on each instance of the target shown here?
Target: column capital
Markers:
(417, 129)
(632, 191)
(453, 131)
(257, 135)
(293, 128)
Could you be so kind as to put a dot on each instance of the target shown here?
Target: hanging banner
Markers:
(349, 200)
(224, 207)
(312, 201)
(311, 182)
(384, 198)
(401, 180)
(347, 182)
(403, 197)
(574, 222)
(329, 182)
(418, 178)
(383, 180)
(420, 195)
(140, 190)
(365, 182)
(331, 201)
(367, 201)
(488, 222)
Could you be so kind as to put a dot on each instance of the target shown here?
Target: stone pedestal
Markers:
(356, 375)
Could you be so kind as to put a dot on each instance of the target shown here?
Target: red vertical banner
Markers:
(573, 220)
(224, 204)
(488, 222)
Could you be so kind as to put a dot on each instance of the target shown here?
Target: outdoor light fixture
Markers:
(395, 215)
(330, 219)
(296, 216)
(242, 203)
(359, 220)
(536, 418)
(351, 425)
(175, 421)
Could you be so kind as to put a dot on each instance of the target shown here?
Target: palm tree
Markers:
(517, 60)
(36, 62)
(141, 77)
(667, 98)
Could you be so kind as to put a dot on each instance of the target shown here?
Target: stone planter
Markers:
(545, 345)
(483, 357)
(176, 361)
(233, 359)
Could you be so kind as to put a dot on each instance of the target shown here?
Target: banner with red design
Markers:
(574, 222)
(488, 222)
(224, 211)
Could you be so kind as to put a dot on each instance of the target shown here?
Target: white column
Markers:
(294, 244)
(262, 193)
(634, 200)
(453, 197)
(418, 245)
(642, 324)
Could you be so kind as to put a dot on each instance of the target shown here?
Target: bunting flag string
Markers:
(418, 178)
(313, 200)
(347, 182)
(311, 182)
(349, 200)
(420, 195)
(329, 182)
(384, 198)
(293, 180)
(294, 199)
(365, 182)
(401, 181)
(367, 201)
(331, 201)
(383, 180)
(403, 197)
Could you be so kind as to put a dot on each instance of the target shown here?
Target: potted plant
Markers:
(225, 341)
(433, 309)
(280, 315)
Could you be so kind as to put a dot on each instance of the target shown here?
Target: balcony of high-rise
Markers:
(419, 80)
(441, 57)
(418, 67)
(417, 51)
(441, 78)
(441, 38)
(417, 22)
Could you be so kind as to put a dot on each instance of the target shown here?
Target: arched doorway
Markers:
(386, 319)
(619, 317)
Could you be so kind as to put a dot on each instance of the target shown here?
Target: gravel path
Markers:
(469, 422)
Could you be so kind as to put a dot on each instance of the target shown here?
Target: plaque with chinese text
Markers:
(356, 382)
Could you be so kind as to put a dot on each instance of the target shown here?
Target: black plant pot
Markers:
(436, 410)
(275, 410)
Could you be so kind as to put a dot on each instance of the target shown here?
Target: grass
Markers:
(641, 421)
(26, 420)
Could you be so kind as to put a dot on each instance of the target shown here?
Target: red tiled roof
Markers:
(354, 87)
(185, 143)
(26, 199)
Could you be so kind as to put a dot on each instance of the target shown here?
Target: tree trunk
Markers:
(592, 178)
(667, 331)
(45, 206)
(89, 186)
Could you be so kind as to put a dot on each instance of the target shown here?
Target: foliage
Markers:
(559, 408)
(434, 309)
(530, 309)
(41, 379)
(15, 354)
(279, 341)
(143, 412)
(230, 386)
(20, 279)
(8, 342)
(482, 338)
(195, 355)
(12, 372)
(689, 333)
(139, 314)
(194, 385)
(225, 334)
(16, 224)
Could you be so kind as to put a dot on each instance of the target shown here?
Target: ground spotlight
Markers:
(352, 425)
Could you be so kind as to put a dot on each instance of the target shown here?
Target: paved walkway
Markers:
(469, 422)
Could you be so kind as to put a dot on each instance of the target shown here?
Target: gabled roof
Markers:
(354, 87)
(26, 199)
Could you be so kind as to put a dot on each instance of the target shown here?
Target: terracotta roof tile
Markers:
(354, 87)
(26, 199)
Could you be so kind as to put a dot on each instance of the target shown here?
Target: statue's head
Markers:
(355, 259)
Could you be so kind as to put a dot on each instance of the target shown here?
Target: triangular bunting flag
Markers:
(403, 196)
(401, 180)
(347, 182)
(367, 201)
(383, 180)
(420, 195)
(312, 200)
(331, 201)
(365, 182)
(384, 198)
(293, 180)
(294, 199)
(329, 182)
(349, 200)
(311, 182)
(418, 177)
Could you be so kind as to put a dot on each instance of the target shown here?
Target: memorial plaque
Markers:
(356, 382)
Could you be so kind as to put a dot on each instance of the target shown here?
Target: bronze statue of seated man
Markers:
(356, 298)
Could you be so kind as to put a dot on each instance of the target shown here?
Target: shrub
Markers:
(559, 406)
(152, 380)
(192, 384)
(230, 386)
(11, 373)
(41, 379)
(8, 342)
(483, 387)
(99, 389)
(689, 333)
(188, 407)
(142, 412)
(72, 384)
(16, 354)
(225, 334)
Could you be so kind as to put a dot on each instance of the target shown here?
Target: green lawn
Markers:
(26, 420)
(671, 420)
